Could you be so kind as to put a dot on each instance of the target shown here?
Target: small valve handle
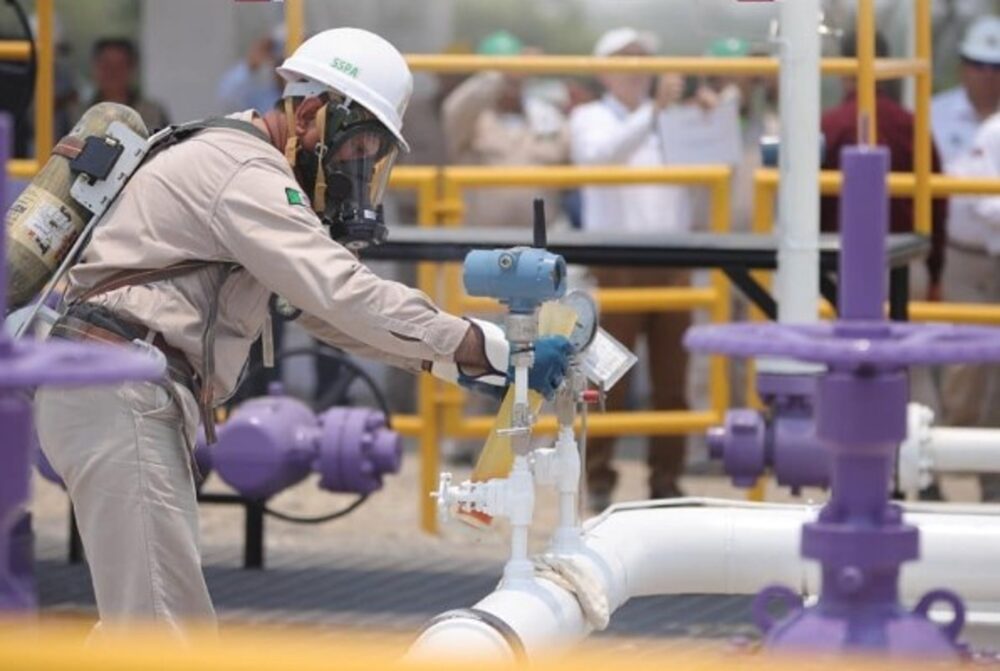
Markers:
(591, 396)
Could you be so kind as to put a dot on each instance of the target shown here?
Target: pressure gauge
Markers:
(585, 328)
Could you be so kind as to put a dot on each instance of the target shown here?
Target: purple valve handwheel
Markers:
(852, 344)
(65, 363)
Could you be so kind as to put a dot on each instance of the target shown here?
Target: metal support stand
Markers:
(253, 525)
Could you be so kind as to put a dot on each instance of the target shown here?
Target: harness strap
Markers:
(69, 147)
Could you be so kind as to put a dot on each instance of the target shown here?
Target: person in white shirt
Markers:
(971, 394)
(957, 113)
(620, 128)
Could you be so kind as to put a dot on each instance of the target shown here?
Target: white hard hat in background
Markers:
(358, 64)
(617, 39)
(982, 41)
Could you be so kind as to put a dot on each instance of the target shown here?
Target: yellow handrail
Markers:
(704, 65)
(15, 50)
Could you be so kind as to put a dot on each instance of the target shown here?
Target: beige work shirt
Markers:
(225, 195)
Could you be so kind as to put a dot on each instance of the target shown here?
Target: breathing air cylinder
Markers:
(44, 222)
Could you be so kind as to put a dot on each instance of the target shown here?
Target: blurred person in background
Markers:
(252, 83)
(621, 129)
(970, 394)
(489, 120)
(895, 130)
(114, 65)
(579, 91)
(956, 114)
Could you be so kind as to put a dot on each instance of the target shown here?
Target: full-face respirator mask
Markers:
(347, 173)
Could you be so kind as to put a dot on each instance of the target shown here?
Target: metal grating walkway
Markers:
(388, 593)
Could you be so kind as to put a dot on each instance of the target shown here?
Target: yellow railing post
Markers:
(427, 406)
(866, 67)
(721, 311)
(44, 84)
(922, 125)
(295, 25)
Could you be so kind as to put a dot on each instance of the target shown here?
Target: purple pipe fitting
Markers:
(782, 440)
(859, 537)
(24, 365)
(271, 443)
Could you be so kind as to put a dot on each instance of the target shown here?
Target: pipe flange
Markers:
(504, 630)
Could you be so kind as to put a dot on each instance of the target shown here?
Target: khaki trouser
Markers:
(123, 452)
(668, 362)
(970, 394)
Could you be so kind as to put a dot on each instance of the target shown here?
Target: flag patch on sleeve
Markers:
(295, 197)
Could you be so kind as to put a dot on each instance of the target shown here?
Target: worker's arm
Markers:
(463, 106)
(598, 138)
(282, 244)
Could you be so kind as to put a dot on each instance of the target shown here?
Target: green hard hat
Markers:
(728, 47)
(500, 43)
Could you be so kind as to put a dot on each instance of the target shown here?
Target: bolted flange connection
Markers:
(271, 443)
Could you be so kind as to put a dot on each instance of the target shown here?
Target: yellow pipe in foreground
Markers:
(15, 50)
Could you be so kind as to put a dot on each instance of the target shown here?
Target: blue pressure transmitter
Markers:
(522, 278)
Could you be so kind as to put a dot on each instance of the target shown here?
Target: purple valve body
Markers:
(859, 538)
(24, 365)
(271, 443)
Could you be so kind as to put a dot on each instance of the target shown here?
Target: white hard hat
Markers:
(617, 39)
(982, 41)
(360, 65)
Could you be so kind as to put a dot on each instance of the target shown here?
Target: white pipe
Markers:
(704, 546)
(797, 277)
(957, 450)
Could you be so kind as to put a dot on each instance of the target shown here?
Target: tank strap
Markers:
(69, 147)
(178, 134)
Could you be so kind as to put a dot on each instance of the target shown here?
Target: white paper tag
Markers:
(606, 360)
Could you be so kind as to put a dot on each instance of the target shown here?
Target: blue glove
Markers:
(551, 360)
(552, 355)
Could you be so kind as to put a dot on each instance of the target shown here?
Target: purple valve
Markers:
(25, 364)
(859, 537)
(271, 443)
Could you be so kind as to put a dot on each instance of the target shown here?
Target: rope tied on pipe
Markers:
(576, 576)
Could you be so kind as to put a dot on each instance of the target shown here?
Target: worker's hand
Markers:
(668, 90)
(706, 98)
(552, 355)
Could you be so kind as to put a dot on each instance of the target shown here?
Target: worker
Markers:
(184, 266)
(956, 114)
(489, 120)
(970, 394)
